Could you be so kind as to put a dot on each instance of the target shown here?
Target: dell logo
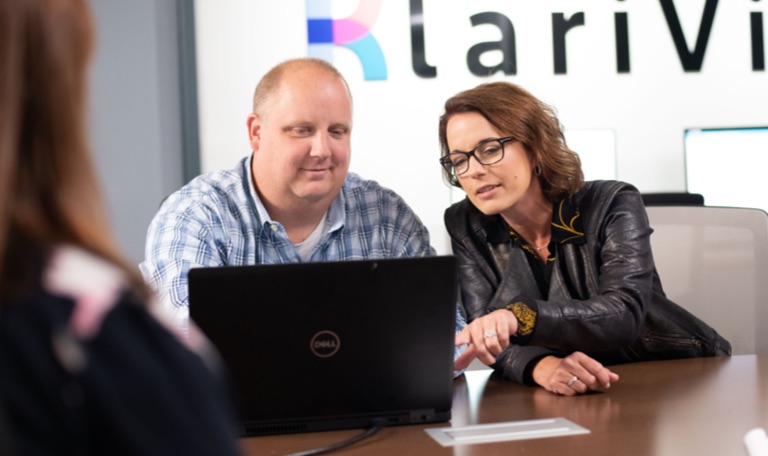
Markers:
(325, 344)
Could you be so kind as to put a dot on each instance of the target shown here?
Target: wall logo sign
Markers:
(353, 32)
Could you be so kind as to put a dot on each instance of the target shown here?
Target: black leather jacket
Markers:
(605, 297)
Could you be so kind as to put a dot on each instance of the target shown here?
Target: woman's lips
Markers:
(485, 189)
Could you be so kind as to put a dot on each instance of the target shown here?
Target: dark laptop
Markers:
(320, 346)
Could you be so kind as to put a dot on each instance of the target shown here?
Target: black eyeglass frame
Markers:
(448, 164)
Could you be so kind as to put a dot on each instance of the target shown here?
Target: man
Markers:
(291, 200)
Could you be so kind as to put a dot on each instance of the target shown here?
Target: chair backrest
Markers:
(673, 199)
(713, 261)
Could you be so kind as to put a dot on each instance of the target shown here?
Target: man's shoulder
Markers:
(368, 196)
(356, 184)
(213, 187)
(354, 180)
(224, 179)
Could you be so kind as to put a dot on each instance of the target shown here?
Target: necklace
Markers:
(513, 233)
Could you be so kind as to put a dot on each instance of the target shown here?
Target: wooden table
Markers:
(676, 408)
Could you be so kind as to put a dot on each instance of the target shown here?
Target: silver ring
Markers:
(572, 381)
(489, 333)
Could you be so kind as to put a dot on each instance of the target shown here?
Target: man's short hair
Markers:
(270, 83)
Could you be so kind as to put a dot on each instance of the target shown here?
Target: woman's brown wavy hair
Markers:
(515, 112)
(48, 189)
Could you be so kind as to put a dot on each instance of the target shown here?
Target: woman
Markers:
(556, 273)
(86, 367)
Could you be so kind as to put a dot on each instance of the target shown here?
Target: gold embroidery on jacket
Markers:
(526, 318)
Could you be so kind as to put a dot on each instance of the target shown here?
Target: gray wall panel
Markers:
(135, 112)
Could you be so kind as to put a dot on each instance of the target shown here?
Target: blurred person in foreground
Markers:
(557, 276)
(87, 364)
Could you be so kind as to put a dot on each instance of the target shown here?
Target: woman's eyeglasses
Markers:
(487, 152)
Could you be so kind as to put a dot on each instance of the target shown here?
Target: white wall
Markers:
(395, 130)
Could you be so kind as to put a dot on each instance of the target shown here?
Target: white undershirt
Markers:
(305, 248)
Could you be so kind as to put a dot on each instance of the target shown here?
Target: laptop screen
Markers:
(315, 346)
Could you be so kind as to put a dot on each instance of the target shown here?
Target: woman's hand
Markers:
(577, 373)
(487, 337)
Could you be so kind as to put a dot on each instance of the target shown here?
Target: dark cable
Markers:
(376, 426)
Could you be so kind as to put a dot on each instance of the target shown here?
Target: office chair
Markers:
(713, 261)
(672, 199)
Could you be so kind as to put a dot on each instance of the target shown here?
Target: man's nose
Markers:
(321, 146)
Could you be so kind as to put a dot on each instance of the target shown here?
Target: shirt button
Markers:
(274, 228)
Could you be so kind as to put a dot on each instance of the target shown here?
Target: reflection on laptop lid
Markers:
(320, 346)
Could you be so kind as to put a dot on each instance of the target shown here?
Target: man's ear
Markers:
(254, 131)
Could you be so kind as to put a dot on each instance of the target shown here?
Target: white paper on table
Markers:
(502, 432)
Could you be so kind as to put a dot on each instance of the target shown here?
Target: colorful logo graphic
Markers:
(353, 32)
